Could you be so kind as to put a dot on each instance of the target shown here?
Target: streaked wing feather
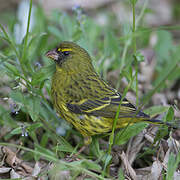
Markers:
(106, 107)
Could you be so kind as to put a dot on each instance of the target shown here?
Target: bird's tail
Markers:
(160, 122)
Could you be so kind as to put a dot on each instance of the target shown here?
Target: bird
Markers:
(84, 99)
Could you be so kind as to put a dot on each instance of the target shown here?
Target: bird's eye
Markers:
(66, 53)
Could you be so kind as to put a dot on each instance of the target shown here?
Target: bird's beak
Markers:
(52, 55)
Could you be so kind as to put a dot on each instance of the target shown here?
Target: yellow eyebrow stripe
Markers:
(65, 49)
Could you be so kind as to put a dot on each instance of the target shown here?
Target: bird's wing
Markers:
(106, 107)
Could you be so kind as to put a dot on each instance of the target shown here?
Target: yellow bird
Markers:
(85, 100)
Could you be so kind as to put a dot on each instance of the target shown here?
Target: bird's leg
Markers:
(74, 156)
(80, 151)
(87, 141)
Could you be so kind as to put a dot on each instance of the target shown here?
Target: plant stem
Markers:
(134, 51)
(25, 40)
(134, 27)
(111, 138)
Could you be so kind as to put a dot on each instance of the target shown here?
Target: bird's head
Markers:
(69, 56)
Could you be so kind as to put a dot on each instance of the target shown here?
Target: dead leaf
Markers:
(17, 164)
(129, 170)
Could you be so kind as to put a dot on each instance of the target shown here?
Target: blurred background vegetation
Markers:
(143, 55)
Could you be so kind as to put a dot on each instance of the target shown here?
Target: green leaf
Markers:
(33, 107)
(34, 45)
(87, 164)
(44, 139)
(94, 148)
(64, 148)
(133, 2)
(34, 126)
(11, 68)
(31, 103)
(108, 159)
(121, 174)
(155, 110)
(49, 153)
(16, 131)
(6, 119)
(125, 134)
(172, 165)
(170, 114)
(90, 165)
(17, 97)
(138, 56)
(43, 74)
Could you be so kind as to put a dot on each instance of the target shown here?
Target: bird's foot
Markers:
(74, 157)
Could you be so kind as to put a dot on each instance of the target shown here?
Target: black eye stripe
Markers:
(66, 53)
